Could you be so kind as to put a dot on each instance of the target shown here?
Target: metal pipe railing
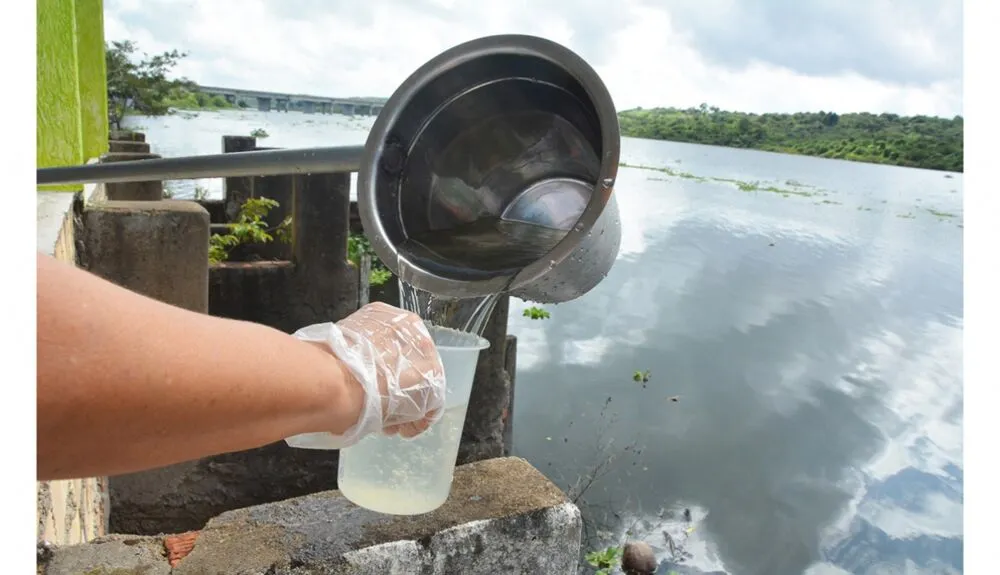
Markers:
(233, 165)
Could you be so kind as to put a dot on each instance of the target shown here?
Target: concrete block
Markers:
(111, 555)
(503, 516)
(159, 249)
(128, 146)
(132, 191)
(252, 291)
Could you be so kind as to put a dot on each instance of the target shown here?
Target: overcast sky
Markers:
(902, 56)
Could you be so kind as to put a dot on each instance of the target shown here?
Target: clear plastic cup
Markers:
(393, 475)
(390, 474)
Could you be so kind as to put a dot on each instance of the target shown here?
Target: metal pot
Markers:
(492, 168)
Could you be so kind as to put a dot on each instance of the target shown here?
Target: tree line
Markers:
(912, 141)
(140, 84)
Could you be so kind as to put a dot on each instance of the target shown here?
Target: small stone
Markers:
(638, 558)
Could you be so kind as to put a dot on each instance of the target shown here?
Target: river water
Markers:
(802, 342)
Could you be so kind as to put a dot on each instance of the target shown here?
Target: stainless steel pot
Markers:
(488, 136)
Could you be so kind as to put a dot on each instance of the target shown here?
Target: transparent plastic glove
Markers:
(392, 357)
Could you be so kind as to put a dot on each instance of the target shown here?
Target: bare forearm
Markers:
(128, 383)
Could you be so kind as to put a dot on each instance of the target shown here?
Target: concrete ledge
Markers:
(503, 516)
(55, 221)
(128, 146)
(126, 135)
(111, 555)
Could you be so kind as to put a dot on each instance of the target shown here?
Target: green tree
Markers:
(915, 141)
(139, 83)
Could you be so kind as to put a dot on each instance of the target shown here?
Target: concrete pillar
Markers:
(132, 191)
(235, 191)
(282, 190)
(128, 146)
(510, 366)
(482, 436)
(158, 249)
(325, 283)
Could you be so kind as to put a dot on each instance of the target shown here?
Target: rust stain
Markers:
(178, 546)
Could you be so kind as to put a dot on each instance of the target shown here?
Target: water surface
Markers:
(804, 347)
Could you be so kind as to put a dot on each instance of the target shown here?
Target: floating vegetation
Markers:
(795, 188)
(941, 214)
(536, 313)
(741, 185)
(641, 377)
(668, 171)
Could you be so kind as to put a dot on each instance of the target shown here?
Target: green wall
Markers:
(72, 99)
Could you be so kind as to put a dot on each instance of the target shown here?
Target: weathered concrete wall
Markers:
(503, 516)
(76, 510)
(317, 284)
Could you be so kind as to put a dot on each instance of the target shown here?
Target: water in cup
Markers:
(393, 475)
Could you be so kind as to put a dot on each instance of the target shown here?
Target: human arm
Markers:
(127, 383)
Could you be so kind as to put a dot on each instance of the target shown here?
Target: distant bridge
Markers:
(267, 101)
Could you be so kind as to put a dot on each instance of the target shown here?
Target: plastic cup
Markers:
(398, 476)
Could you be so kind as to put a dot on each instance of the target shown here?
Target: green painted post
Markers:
(71, 107)
(92, 77)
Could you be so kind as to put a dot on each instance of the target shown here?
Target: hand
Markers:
(389, 353)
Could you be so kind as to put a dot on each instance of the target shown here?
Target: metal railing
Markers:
(232, 165)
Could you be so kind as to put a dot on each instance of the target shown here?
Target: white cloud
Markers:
(344, 49)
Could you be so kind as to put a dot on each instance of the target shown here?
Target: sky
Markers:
(898, 56)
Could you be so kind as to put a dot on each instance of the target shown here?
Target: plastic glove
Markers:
(392, 357)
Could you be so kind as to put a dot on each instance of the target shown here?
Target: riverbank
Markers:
(907, 141)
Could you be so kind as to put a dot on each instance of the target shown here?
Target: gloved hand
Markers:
(392, 357)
